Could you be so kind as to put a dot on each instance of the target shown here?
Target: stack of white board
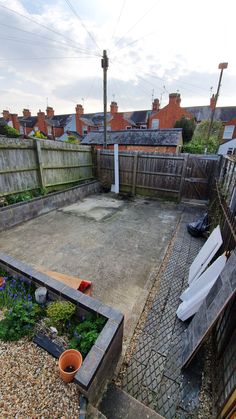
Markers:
(201, 279)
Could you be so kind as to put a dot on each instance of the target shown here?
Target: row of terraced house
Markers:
(80, 124)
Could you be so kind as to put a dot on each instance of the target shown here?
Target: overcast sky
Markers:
(50, 52)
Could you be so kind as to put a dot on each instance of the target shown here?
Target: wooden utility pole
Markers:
(104, 62)
(221, 66)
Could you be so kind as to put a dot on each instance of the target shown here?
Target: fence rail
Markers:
(180, 176)
(32, 164)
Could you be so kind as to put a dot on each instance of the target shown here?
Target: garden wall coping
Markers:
(12, 215)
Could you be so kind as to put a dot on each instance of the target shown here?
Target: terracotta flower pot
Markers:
(2, 281)
(69, 363)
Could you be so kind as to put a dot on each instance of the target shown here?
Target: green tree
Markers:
(188, 127)
(198, 143)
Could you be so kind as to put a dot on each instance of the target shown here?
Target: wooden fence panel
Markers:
(32, 164)
(158, 174)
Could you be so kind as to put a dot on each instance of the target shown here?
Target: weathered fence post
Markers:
(183, 175)
(135, 165)
(40, 163)
(98, 163)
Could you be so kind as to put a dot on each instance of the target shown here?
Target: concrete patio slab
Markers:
(116, 244)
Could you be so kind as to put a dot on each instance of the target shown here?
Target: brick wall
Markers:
(168, 115)
(147, 149)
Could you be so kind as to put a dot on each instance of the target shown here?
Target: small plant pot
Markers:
(70, 362)
(2, 281)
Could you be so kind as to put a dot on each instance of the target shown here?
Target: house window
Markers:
(128, 127)
(228, 132)
(143, 126)
(21, 130)
(49, 130)
(85, 131)
(155, 123)
(230, 151)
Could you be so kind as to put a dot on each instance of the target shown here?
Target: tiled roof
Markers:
(58, 120)
(223, 113)
(163, 137)
(28, 122)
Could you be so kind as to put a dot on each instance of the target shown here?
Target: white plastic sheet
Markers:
(205, 255)
(194, 295)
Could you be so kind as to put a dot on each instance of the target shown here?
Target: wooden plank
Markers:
(135, 165)
(18, 169)
(48, 345)
(222, 292)
(68, 182)
(67, 166)
(40, 163)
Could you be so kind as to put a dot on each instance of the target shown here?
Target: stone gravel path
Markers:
(30, 386)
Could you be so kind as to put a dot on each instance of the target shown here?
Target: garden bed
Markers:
(87, 324)
(14, 214)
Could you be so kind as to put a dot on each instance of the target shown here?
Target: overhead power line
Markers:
(28, 41)
(42, 58)
(119, 17)
(136, 23)
(80, 49)
(39, 24)
(83, 24)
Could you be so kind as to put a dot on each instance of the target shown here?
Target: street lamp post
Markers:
(221, 66)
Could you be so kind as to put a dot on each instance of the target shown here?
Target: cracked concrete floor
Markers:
(116, 244)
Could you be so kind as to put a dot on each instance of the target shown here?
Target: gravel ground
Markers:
(30, 386)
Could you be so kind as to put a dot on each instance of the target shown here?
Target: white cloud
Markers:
(153, 44)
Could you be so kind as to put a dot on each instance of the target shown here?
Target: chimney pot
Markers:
(174, 98)
(50, 112)
(5, 114)
(155, 105)
(26, 113)
(213, 102)
(113, 107)
(79, 109)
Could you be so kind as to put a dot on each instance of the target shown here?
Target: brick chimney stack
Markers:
(113, 107)
(41, 122)
(212, 102)
(79, 109)
(26, 113)
(6, 115)
(155, 105)
(174, 99)
(15, 121)
(50, 112)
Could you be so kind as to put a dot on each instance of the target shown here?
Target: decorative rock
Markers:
(41, 295)
(53, 332)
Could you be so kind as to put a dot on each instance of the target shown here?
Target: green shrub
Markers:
(10, 132)
(85, 334)
(19, 321)
(59, 313)
(19, 197)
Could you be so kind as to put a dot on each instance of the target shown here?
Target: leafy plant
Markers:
(59, 313)
(39, 134)
(72, 140)
(86, 333)
(20, 197)
(10, 132)
(198, 143)
(14, 290)
(19, 321)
